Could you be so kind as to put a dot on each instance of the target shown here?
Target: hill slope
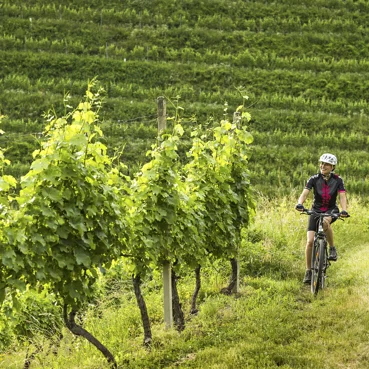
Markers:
(302, 64)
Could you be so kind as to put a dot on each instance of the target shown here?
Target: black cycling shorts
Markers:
(313, 221)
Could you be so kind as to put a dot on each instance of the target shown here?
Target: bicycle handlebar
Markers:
(333, 215)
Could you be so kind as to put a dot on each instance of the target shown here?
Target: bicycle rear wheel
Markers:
(317, 266)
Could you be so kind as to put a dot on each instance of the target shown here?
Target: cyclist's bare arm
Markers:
(303, 196)
(343, 201)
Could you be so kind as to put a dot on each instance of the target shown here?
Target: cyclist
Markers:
(326, 185)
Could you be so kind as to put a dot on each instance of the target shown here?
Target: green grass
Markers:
(274, 322)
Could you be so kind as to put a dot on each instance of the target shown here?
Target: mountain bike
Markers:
(319, 259)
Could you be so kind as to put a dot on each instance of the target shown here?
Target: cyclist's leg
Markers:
(328, 230)
(329, 233)
(311, 229)
(309, 248)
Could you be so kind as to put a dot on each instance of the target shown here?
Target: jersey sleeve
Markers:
(341, 185)
(310, 183)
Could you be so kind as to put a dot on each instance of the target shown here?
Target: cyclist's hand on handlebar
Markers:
(299, 207)
(344, 214)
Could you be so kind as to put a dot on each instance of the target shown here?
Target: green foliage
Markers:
(218, 171)
(38, 317)
(157, 193)
(7, 189)
(70, 215)
(183, 214)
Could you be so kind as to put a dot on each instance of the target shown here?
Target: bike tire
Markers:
(317, 266)
(324, 262)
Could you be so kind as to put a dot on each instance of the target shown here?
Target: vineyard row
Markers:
(252, 57)
(212, 14)
(19, 106)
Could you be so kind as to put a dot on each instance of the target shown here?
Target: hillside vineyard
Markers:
(303, 65)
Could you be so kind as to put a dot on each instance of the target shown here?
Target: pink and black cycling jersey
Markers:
(325, 192)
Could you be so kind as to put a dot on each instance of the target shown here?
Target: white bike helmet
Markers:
(328, 158)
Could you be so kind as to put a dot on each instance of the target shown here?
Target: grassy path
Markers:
(344, 335)
(282, 326)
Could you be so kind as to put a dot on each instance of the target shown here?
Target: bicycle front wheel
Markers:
(317, 266)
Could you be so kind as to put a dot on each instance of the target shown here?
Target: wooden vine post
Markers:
(162, 114)
(237, 285)
(167, 272)
(236, 289)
